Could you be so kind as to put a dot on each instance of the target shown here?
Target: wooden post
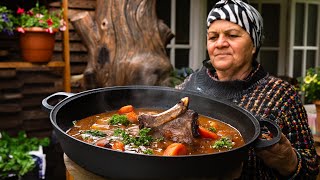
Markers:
(66, 48)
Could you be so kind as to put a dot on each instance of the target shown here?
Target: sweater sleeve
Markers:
(292, 118)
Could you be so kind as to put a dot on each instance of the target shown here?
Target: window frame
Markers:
(281, 49)
(197, 36)
(304, 48)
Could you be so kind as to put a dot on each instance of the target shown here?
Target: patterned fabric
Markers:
(240, 13)
(268, 97)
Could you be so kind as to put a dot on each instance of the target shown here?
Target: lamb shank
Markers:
(178, 124)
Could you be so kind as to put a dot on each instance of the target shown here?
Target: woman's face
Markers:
(230, 49)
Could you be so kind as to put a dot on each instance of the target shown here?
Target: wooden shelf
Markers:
(18, 64)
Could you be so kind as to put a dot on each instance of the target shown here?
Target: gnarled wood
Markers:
(126, 44)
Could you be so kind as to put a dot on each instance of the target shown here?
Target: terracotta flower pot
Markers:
(37, 45)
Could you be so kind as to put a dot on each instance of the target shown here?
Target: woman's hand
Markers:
(280, 156)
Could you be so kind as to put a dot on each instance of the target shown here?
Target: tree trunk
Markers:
(126, 44)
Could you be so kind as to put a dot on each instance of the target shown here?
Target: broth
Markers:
(97, 128)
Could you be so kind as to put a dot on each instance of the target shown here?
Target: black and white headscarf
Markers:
(240, 13)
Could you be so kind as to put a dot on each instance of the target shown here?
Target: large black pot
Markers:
(122, 165)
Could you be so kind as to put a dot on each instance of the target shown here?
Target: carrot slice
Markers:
(175, 149)
(125, 109)
(117, 145)
(205, 133)
(132, 117)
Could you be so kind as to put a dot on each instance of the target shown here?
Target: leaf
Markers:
(14, 153)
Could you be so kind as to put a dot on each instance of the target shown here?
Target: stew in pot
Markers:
(176, 131)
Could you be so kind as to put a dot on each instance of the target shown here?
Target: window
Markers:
(272, 52)
(304, 38)
(178, 20)
(187, 48)
(291, 43)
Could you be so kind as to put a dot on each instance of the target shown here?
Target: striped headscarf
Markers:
(240, 13)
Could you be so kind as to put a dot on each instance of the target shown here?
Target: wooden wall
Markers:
(78, 52)
(22, 89)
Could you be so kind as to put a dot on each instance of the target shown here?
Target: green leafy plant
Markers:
(14, 154)
(39, 16)
(6, 20)
(310, 85)
(178, 75)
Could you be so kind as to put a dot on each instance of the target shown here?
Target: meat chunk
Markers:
(147, 120)
(178, 123)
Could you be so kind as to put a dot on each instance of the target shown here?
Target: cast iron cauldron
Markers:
(121, 165)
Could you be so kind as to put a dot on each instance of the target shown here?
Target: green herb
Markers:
(96, 133)
(224, 142)
(148, 151)
(125, 136)
(212, 129)
(119, 119)
(159, 139)
(143, 139)
(14, 153)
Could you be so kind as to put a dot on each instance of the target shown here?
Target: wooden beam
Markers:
(18, 64)
(66, 48)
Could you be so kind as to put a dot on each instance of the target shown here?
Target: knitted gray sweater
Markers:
(268, 97)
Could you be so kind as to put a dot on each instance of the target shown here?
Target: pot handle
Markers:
(273, 127)
(56, 95)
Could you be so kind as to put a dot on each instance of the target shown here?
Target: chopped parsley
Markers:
(224, 142)
(119, 119)
(143, 139)
(212, 129)
(148, 151)
(96, 133)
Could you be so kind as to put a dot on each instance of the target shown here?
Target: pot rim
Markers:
(39, 29)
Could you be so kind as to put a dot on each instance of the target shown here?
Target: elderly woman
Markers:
(234, 38)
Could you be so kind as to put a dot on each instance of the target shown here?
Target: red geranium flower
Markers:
(30, 13)
(20, 11)
(49, 22)
(39, 16)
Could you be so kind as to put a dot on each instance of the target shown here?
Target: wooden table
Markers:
(317, 143)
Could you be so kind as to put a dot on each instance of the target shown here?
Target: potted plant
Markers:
(6, 26)
(310, 88)
(37, 28)
(310, 85)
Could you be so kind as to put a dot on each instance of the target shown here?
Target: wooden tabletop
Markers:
(317, 143)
